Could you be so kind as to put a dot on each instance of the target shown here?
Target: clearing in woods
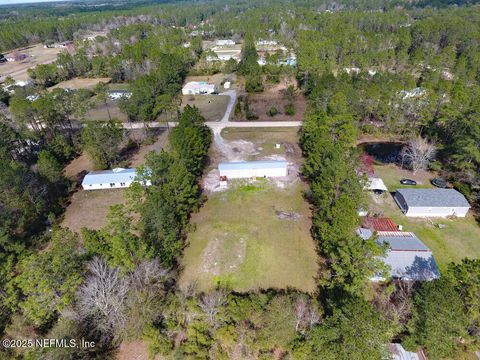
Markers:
(254, 235)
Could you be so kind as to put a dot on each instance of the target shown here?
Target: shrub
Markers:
(272, 111)
(290, 109)
(251, 115)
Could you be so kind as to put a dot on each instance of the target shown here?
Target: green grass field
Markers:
(239, 241)
(453, 240)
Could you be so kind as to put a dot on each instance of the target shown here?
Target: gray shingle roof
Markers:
(433, 197)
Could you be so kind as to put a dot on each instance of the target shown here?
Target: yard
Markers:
(212, 107)
(80, 83)
(252, 236)
(36, 54)
(274, 95)
(449, 239)
(100, 112)
(90, 208)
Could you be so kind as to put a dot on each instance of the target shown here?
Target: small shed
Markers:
(198, 88)
(111, 179)
(378, 223)
(376, 185)
(432, 202)
(252, 169)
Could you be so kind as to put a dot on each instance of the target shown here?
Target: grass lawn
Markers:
(240, 241)
(212, 107)
(459, 238)
(392, 174)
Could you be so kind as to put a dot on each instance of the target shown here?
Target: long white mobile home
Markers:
(111, 179)
(251, 169)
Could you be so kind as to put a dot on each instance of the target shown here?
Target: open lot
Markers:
(449, 239)
(80, 83)
(255, 235)
(273, 96)
(241, 241)
(36, 54)
(100, 112)
(90, 208)
(212, 107)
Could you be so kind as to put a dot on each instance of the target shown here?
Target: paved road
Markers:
(218, 126)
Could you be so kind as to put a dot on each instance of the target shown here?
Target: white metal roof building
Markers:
(198, 87)
(251, 169)
(432, 202)
(110, 179)
(224, 42)
(375, 184)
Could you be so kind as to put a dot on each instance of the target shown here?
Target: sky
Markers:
(10, 2)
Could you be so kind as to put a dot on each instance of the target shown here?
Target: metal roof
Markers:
(109, 176)
(407, 256)
(433, 197)
(412, 265)
(252, 165)
(379, 223)
(376, 184)
(402, 243)
(399, 353)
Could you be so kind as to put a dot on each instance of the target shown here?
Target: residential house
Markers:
(432, 202)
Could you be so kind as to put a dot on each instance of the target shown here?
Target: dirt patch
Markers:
(80, 83)
(133, 350)
(214, 257)
(78, 167)
(288, 215)
(36, 54)
(90, 208)
(138, 158)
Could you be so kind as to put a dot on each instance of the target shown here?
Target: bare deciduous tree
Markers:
(101, 300)
(418, 153)
(211, 303)
(306, 314)
(113, 305)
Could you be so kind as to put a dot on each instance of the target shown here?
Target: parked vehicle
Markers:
(439, 182)
(408, 182)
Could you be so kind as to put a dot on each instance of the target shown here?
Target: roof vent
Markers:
(117, 170)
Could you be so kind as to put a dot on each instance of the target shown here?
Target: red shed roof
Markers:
(379, 223)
